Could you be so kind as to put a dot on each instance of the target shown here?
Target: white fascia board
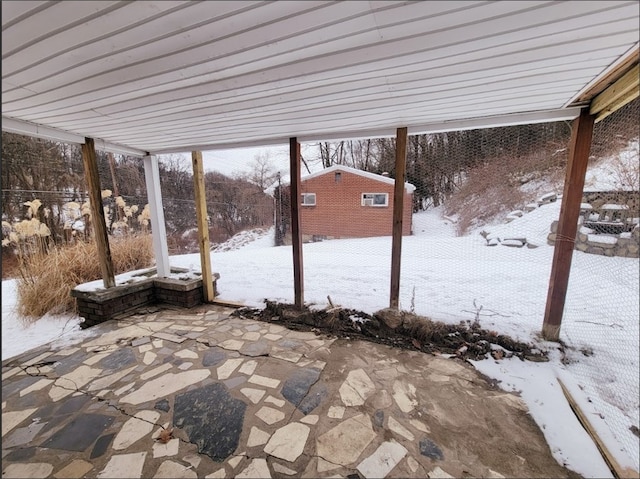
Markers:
(349, 135)
(452, 125)
(21, 127)
(116, 148)
(27, 128)
(223, 146)
(307, 138)
(497, 121)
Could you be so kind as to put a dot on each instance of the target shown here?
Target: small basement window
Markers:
(308, 199)
(375, 199)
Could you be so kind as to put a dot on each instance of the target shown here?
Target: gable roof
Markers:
(177, 76)
(372, 176)
(285, 180)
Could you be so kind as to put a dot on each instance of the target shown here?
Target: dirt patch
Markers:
(466, 340)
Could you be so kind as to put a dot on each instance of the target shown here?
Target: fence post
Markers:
(398, 206)
(579, 148)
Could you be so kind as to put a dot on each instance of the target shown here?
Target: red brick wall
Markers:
(339, 214)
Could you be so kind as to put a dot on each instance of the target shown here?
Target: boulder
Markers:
(389, 316)
(514, 243)
(551, 239)
(548, 198)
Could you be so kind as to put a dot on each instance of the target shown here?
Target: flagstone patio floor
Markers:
(176, 393)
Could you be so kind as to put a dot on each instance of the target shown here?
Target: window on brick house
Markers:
(308, 199)
(375, 199)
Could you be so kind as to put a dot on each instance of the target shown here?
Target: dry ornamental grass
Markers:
(46, 279)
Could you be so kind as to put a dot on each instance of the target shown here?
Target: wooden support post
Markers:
(158, 229)
(203, 226)
(296, 232)
(398, 207)
(97, 212)
(579, 149)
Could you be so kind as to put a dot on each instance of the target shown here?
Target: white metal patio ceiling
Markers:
(176, 76)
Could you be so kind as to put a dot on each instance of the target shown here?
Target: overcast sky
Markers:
(239, 161)
(230, 162)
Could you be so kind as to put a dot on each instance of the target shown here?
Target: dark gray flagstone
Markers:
(213, 356)
(315, 397)
(430, 449)
(66, 364)
(119, 359)
(11, 386)
(212, 419)
(80, 433)
(296, 389)
(162, 405)
(21, 454)
(71, 405)
(101, 445)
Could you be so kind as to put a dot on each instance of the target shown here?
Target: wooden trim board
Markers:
(617, 470)
(624, 90)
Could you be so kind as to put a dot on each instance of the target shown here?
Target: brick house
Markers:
(342, 202)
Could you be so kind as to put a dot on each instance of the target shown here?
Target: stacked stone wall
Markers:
(624, 244)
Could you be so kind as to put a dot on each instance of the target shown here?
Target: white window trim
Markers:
(369, 201)
(306, 197)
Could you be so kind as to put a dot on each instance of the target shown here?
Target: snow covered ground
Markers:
(457, 279)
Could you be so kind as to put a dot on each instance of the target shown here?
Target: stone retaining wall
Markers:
(623, 244)
(599, 198)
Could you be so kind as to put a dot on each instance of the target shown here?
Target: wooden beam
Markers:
(626, 89)
(579, 148)
(296, 232)
(398, 207)
(158, 228)
(203, 226)
(619, 69)
(92, 177)
(609, 458)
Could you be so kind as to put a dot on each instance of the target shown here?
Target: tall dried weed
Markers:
(46, 279)
(494, 188)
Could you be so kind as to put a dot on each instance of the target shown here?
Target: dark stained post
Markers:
(398, 206)
(579, 148)
(97, 212)
(296, 233)
(203, 226)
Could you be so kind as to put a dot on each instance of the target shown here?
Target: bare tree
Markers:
(262, 172)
